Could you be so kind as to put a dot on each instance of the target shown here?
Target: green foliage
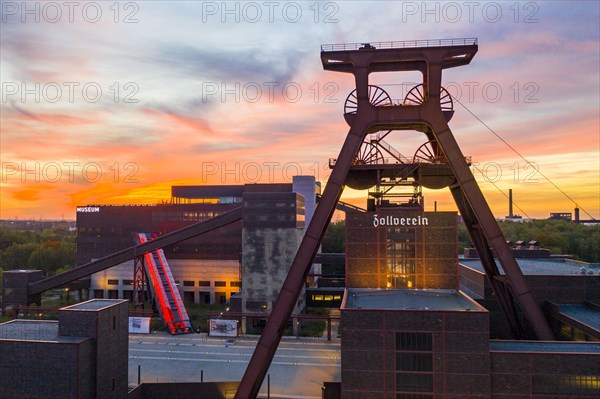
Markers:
(333, 241)
(559, 236)
(50, 250)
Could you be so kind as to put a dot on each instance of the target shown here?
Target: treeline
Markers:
(559, 236)
(50, 250)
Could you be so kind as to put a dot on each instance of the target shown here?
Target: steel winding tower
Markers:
(427, 108)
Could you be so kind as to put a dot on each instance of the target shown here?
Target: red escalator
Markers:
(165, 291)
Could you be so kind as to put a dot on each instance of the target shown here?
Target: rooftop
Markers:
(583, 313)
(546, 347)
(35, 330)
(95, 304)
(401, 299)
(549, 267)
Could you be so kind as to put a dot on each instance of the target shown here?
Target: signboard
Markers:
(222, 328)
(139, 325)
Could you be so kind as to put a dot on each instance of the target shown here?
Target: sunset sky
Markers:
(112, 103)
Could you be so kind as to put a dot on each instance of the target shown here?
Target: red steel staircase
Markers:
(164, 289)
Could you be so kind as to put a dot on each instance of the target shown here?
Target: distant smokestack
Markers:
(576, 213)
(510, 204)
(435, 206)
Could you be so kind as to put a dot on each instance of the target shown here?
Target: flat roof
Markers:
(409, 299)
(35, 330)
(199, 192)
(545, 346)
(94, 304)
(548, 267)
(583, 313)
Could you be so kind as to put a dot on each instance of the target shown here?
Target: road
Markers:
(297, 371)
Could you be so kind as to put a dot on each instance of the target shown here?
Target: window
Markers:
(235, 283)
(413, 382)
(565, 385)
(413, 341)
(112, 282)
(220, 284)
(401, 258)
(188, 283)
(127, 282)
(203, 283)
(414, 364)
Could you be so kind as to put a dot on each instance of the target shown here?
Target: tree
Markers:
(333, 241)
(16, 256)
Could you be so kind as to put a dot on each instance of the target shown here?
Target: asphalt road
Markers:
(297, 371)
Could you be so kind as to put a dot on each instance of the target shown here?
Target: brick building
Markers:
(82, 355)
(410, 331)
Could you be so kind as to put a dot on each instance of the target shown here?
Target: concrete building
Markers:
(273, 229)
(82, 355)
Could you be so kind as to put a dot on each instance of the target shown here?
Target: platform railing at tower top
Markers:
(401, 44)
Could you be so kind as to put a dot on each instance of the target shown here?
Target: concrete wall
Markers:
(267, 257)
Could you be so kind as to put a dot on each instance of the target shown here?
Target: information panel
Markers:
(222, 328)
(139, 325)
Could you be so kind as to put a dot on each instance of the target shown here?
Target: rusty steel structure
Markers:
(439, 162)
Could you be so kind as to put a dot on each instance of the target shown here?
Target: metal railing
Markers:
(402, 44)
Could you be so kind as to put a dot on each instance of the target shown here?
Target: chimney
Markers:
(576, 213)
(510, 204)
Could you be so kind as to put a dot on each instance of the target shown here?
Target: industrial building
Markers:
(207, 268)
(415, 323)
(419, 323)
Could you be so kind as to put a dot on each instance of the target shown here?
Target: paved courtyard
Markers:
(297, 371)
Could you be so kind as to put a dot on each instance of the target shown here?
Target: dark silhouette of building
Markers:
(82, 355)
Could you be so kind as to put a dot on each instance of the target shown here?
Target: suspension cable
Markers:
(522, 157)
(501, 192)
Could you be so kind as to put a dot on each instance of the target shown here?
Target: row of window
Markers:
(186, 283)
(188, 297)
(566, 384)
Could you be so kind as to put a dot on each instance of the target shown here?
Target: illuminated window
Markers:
(318, 297)
(566, 384)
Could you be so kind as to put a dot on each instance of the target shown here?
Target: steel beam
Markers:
(282, 309)
(488, 262)
(137, 250)
(489, 228)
